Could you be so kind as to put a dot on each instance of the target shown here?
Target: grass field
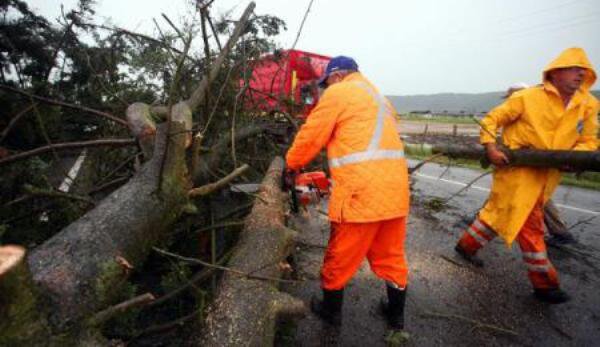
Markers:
(438, 119)
(588, 180)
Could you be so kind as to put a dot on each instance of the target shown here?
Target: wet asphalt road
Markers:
(451, 303)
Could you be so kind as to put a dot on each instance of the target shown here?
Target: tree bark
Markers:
(21, 321)
(78, 269)
(245, 309)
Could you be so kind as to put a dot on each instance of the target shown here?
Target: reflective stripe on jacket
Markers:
(366, 157)
(536, 118)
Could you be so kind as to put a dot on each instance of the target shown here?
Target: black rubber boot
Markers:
(330, 308)
(393, 309)
(551, 295)
(557, 240)
(471, 258)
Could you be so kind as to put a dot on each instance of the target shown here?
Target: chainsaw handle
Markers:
(288, 184)
(288, 179)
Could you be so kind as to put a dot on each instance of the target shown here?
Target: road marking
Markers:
(578, 209)
(567, 207)
(452, 182)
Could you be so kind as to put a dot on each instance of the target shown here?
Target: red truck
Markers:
(286, 81)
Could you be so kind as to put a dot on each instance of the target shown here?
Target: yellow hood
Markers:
(574, 56)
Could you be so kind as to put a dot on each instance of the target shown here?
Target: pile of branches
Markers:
(156, 147)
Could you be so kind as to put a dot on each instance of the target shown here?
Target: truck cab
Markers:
(286, 81)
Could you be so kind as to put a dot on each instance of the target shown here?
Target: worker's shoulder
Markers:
(592, 99)
(534, 91)
(340, 90)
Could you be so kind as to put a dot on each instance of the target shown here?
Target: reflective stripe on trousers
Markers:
(480, 233)
(537, 261)
(373, 152)
(541, 272)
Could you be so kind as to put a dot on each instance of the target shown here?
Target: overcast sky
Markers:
(408, 47)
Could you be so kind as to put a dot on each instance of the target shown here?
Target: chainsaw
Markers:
(309, 188)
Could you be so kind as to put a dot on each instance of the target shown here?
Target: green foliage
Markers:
(588, 180)
(435, 204)
(124, 324)
(397, 338)
(177, 276)
(462, 119)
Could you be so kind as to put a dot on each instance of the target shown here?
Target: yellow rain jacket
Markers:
(536, 118)
(366, 156)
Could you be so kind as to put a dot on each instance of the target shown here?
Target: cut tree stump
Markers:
(245, 310)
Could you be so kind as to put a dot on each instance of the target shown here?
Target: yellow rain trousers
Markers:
(536, 118)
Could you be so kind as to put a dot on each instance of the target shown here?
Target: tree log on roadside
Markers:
(245, 309)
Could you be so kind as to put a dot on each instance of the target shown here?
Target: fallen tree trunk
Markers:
(79, 269)
(23, 313)
(245, 308)
(20, 318)
(559, 159)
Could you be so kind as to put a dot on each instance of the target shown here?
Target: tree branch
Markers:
(477, 323)
(467, 186)
(168, 326)
(238, 272)
(220, 225)
(176, 30)
(14, 121)
(197, 278)
(65, 104)
(109, 184)
(199, 94)
(212, 28)
(141, 36)
(211, 187)
(412, 170)
(110, 312)
(33, 191)
(68, 145)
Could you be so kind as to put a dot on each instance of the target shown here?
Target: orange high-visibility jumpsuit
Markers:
(370, 199)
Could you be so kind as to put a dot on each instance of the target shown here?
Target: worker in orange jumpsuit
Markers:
(560, 114)
(370, 196)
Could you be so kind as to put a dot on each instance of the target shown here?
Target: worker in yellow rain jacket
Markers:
(370, 196)
(560, 114)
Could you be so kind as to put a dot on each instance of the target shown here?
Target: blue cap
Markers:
(335, 64)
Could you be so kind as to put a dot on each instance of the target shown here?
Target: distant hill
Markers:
(453, 103)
